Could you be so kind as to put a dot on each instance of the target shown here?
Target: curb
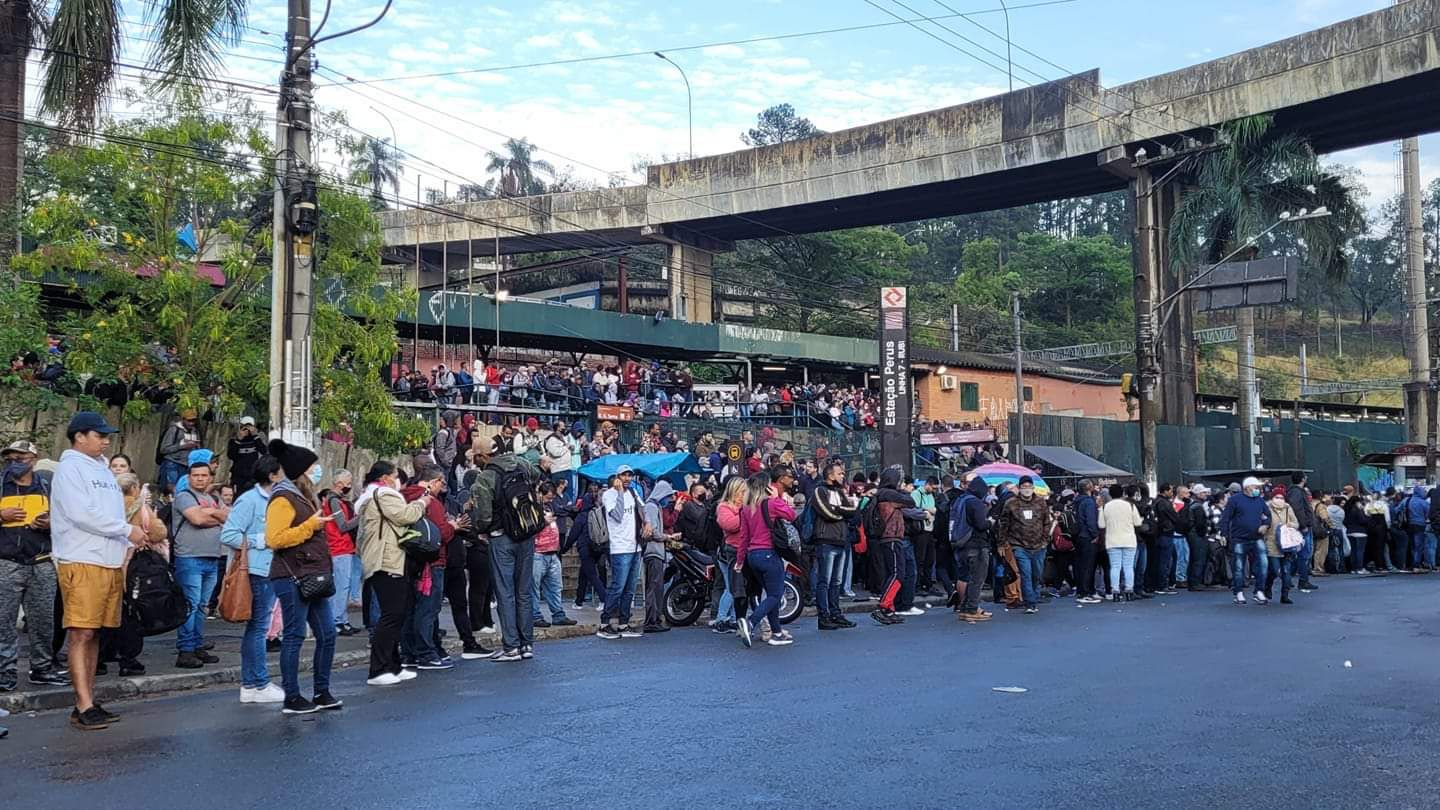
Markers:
(153, 685)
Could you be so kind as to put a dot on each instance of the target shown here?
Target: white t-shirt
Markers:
(622, 533)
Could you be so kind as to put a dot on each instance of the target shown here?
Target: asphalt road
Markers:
(1190, 702)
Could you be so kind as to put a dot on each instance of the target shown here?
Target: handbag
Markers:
(235, 595)
(311, 586)
(1291, 539)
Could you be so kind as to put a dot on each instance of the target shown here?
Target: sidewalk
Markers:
(161, 676)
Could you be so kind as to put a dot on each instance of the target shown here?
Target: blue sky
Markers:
(599, 117)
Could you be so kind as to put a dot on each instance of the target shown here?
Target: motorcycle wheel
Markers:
(791, 604)
(684, 602)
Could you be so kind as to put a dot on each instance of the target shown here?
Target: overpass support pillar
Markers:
(1177, 355)
(692, 280)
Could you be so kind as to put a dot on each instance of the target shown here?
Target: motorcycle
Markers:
(690, 574)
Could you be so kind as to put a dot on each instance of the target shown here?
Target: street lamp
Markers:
(689, 100)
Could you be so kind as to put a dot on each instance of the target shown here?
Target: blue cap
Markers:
(89, 420)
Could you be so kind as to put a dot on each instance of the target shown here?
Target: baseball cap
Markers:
(624, 468)
(1233, 488)
(21, 446)
(247, 420)
(89, 420)
(1251, 481)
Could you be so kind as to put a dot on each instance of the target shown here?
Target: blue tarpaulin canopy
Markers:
(671, 467)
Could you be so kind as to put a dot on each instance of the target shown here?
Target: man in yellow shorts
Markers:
(90, 541)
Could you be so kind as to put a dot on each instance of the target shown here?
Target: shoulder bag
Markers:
(235, 594)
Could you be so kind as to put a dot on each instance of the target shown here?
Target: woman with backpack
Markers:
(301, 574)
(757, 551)
(385, 519)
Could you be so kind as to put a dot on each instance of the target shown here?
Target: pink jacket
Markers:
(754, 533)
(728, 517)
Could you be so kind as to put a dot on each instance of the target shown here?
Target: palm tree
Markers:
(517, 168)
(377, 164)
(81, 46)
(1239, 190)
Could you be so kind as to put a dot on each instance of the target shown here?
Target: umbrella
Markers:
(1001, 473)
(671, 467)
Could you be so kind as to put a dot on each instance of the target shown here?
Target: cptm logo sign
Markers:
(892, 297)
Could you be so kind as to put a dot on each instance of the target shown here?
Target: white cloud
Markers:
(551, 40)
(724, 51)
(586, 40)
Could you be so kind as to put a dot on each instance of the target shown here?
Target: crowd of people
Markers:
(488, 525)
(651, 388)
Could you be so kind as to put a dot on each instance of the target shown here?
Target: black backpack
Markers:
(517, 507)
(1069, 521)
(154, 602)
(424, 542)
(712, 536)
(871, 521)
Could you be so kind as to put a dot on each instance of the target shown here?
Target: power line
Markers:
(650, 52)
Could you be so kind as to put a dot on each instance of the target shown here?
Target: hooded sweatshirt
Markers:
(891, 504)
(969, 513)
(1418, 508)
(87, 513)
(655, 519)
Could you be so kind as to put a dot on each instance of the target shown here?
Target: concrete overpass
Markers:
(1365, 80)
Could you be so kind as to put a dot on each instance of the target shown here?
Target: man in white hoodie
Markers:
(90, 538)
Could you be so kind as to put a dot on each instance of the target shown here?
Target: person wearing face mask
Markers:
(832, 505)
(420, 645)
(243, 451)
(1282, 562)
(385, 518)
(1243, 523)
(340, 534)
(196, 517)
(294, 533)
(27, 577)
(1025, 524)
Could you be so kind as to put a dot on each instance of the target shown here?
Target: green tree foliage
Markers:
(144, 315)
(779, 124)
(517, 170)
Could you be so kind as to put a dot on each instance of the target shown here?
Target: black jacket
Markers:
(832, 507)
(1300, 504)
(691, 522)
(1164, 518)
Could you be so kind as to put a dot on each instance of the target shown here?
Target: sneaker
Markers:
(205, 657)
(188, 660)
(564, 621)
(656, 628)
(269, 693)
(742, 628)
(722, 628)
(1239, 598)
(1286, 600)
(474, 650)
(89, 720)
(49, 677)
(325, 700)
(299, 705)
(911, 611)
(527, 652)
(1030, 611)
(843, 622)
(384, 679)
(886, 617)
(540, 623)
(626, 631)
(131, 669)
(976, 617)
(784, 639)
(488, 629)
(1306, 587)
(110, 717)
(507, 657)
(608, 632)
(434, 664)
(347, 629)
(1089, 600)
(825, 623)
(1261, 598)
(408, 674)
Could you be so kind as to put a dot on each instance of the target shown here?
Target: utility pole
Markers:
(1248, 406)
(295, 220)
(1417, 416)
(954, 327)
(1300, 394)
(1019, 384)
(1146, 259)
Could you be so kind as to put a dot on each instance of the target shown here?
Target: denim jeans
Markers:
(848, 587)
(1255, 550)
(725, 606)
(197, 577)
(1032, 572)
(1283, 569)
(1306, 555)
(1142, 559)
(1181, 554)
(907, 578)
(771, 569)
(1421, 552)
(510, 574)
(254, 671)
(829, 565)
(1430, 548)
(546, 582)
(340, 603)
(1122, 567)
(417, 639)
(298, 613)
(620, 595)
